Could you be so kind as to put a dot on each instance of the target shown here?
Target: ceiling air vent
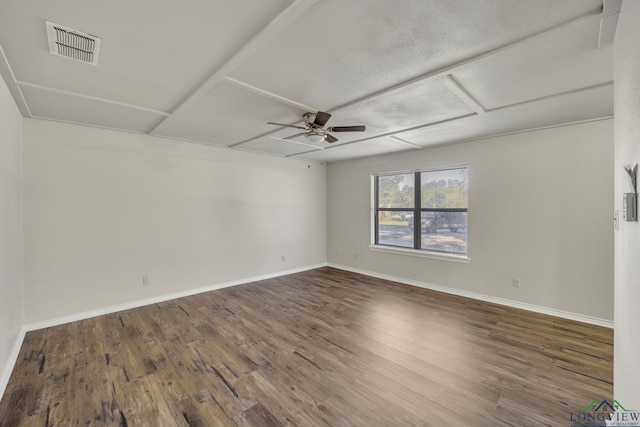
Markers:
(73, 44)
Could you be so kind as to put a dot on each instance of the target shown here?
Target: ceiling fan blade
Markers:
(347, 128)
(330, 138)
(295, 136)
(321, 118)
(289, 126)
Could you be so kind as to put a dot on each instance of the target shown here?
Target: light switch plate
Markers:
(630, 207)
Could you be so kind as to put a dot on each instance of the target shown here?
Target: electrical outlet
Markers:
(355, 256)
(284, 258)
(516, 283)
(145, 280)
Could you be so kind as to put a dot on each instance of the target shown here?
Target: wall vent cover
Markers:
(73, 44)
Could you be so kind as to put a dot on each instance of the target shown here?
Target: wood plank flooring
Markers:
(319, 348)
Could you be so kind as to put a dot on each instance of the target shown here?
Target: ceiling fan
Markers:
(314, 129)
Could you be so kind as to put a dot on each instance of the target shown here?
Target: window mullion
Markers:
(376, 211)
(417, 216)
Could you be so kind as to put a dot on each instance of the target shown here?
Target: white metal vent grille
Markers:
(73, 44)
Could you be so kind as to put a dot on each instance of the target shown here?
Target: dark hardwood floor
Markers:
(319, 348)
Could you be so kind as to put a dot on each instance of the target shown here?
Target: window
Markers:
(425, 210)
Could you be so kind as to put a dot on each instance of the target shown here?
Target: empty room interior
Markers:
(319, 213)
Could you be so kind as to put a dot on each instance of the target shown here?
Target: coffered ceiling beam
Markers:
(463, 94)
(267, 94)
(563, 28)
(275, 27)
(93, 98)
(7, 72)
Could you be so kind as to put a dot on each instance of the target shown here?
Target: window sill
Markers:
(421, 254)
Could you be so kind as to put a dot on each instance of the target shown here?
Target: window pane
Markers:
(444, 188)
(444, 231)
(395, 228)
(396, 191)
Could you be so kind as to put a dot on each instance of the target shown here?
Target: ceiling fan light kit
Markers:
(314, 128)
(315, 138)
(315, 135)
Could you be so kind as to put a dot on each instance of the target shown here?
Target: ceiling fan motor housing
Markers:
(309, 119)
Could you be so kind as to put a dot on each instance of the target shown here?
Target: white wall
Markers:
(11, 300)
(627, 238)
(539, 210)
(104, 208)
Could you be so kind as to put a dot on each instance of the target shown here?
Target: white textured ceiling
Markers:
(415, 72)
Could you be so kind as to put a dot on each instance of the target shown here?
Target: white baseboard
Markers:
(13, 358)
(8, 369)
(161, 298)
(473, 295)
